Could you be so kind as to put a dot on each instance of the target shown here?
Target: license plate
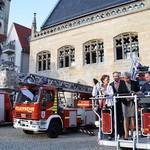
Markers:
(23, 122)
(23, 115)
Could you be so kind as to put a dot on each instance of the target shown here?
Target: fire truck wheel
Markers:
(54, 129)
(28, 132)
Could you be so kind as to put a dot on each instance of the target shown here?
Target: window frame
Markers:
(49, 93)
(43, 60)
(99, 57)
(121, 36)
(70, 56)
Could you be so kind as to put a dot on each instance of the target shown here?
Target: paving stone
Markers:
(13, 139)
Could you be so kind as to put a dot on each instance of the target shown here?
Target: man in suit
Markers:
(146, 86)
(146, 89)
(119, 87)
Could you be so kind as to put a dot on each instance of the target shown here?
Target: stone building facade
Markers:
(16, 49)
(4, 15)
(82, 46)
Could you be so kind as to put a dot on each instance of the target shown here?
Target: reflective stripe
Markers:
(54, 107)
(84, 104)
(146, 129)
(78, 117)
(67, 117)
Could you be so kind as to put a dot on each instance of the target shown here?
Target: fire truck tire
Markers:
(28, 132)
(54, 129)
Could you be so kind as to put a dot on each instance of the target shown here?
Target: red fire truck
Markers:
(7, 82)
(5, 107)
(50, 105)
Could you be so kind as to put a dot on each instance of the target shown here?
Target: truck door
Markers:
(47, 103)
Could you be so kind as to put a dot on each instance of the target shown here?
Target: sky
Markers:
(21, 11)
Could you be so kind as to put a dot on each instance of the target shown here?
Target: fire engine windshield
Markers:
(27, 95)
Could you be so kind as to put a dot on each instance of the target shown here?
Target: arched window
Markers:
(66, 56)
(126, 45)
(93, 52)
(43, 61)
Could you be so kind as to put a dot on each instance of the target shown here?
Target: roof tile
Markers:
(69, 9)
(23, 33)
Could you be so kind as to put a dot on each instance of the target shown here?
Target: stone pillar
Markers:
(34, 27)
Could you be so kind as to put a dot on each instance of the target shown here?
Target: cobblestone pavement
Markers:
(12, 139)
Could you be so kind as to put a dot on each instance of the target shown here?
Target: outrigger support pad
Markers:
(87, 131)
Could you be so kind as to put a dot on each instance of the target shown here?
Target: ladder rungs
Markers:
(64, 85)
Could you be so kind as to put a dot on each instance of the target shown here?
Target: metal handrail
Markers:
(125, 95)
(115, 98)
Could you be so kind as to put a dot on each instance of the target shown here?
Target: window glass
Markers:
(93, 52)
(43, 61)
(66, 56)
(126, 45)
(48, 96)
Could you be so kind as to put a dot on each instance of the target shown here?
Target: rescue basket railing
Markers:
(136, 97)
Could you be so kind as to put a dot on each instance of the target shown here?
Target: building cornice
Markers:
(93, 18)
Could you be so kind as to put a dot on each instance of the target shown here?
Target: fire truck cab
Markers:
(45, 108)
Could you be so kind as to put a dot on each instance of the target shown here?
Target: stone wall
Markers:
(106, 30)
